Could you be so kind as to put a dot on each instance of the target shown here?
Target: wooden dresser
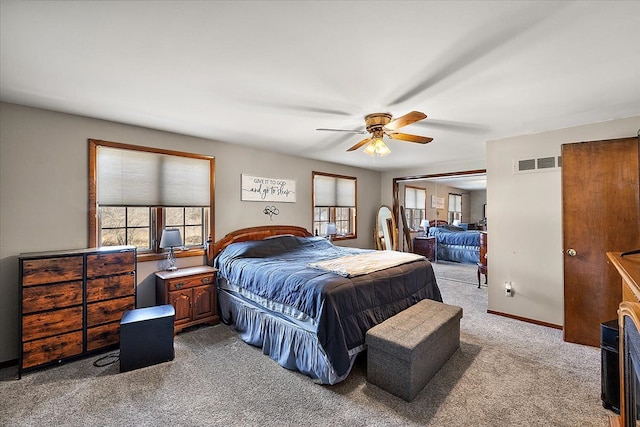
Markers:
(192, 292)
(425, 246)
(72, 302)
(629, 269)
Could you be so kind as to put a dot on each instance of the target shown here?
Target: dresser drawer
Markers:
(106, 264)
(51, 270)
(191, 281)
(49, 349)
(110, 287)
(60, 295)
(103, 336)
(46, 324)
(108, 311)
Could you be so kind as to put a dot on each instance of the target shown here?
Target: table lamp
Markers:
(170, 239)
(331, 230)
(425, 225)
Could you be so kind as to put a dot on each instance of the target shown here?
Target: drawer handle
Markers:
(179, 285)
(205, 279)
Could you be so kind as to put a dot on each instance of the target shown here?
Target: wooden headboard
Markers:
(257, 233)
(437, 222)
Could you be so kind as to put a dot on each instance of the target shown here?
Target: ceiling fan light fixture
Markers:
(377, 148)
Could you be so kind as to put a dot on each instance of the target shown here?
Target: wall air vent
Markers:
(540, 164)
(546, 162)
(526, 165)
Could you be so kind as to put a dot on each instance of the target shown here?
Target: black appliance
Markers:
(146, 337)
(610, 362)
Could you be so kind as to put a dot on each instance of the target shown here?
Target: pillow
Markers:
(258, 248)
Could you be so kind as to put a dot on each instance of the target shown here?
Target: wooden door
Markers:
(600, 213)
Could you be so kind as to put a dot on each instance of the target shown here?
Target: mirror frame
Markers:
(391, 231)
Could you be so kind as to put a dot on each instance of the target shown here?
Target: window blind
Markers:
(139, 178)
(455, 203)
(414, 198)
(334, 191)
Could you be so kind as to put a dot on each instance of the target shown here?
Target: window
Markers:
(455, 207)
(136, 192)
(334, 200)
(414, 206)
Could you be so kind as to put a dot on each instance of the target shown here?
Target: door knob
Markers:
(571, 252)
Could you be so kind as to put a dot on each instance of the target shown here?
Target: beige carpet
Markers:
(507, 373)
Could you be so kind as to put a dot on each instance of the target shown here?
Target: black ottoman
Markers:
(146, 337)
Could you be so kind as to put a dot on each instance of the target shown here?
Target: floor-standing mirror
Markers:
(386, 232)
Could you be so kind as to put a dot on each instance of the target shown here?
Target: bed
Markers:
(289, 293)
(455, 244)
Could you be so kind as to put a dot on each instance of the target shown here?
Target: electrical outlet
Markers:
(508, 291)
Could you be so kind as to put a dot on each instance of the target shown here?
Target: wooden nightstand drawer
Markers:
(191, 282)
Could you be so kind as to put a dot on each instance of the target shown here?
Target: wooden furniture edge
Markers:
(258, 233)
(624, 267)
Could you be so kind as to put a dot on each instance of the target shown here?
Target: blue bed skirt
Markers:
(455, 253)
(292, 344)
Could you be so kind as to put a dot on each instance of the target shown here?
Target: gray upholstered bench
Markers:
(405, 351)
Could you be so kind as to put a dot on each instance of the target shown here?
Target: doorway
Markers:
(470, 185)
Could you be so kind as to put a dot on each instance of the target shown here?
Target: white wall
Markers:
(524, 214)
(43, 193)
(476, 208)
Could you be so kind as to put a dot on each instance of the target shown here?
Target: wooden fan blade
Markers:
(407, 119)
(342, 130)
(360, 144)
(409, 138)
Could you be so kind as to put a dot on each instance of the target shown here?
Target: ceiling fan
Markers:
(379, 124)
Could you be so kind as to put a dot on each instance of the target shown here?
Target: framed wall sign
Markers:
(260, 189)
(437, 202)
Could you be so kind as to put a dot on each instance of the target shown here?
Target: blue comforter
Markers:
(275, 272)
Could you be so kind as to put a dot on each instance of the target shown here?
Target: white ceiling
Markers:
(266, 74)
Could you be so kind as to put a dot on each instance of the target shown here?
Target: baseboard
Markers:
(524, 319)
(8, 363)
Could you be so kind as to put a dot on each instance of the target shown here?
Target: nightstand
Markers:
(425, 246)
(192, 292)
